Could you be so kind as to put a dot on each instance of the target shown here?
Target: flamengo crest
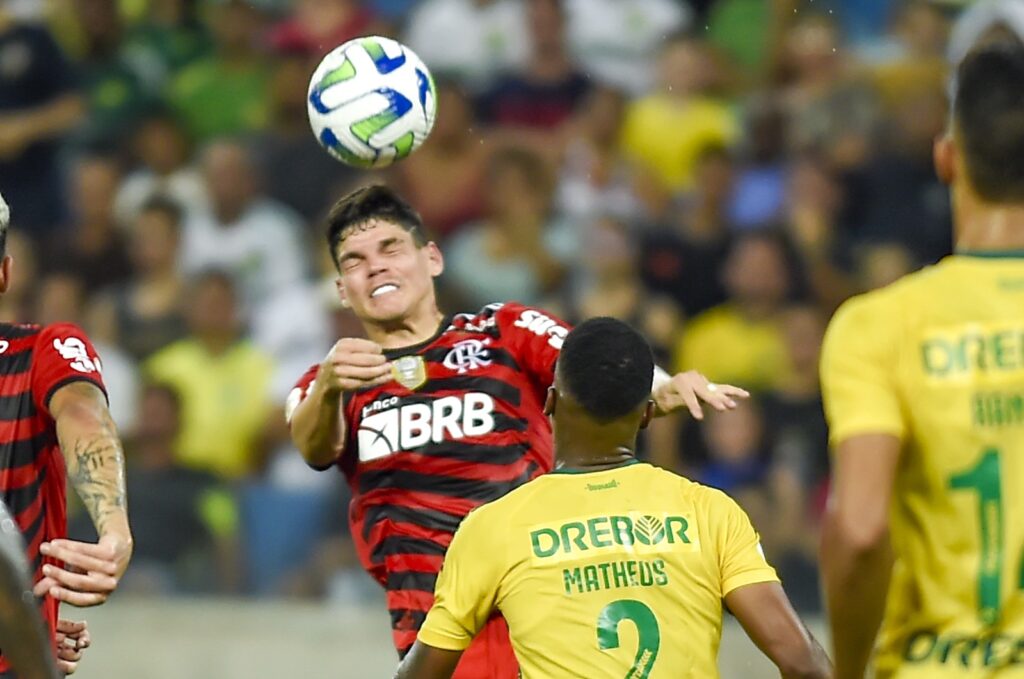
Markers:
(468, 355)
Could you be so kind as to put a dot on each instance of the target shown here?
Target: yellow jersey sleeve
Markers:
(466, 588)
(740, 557)
(858, 370)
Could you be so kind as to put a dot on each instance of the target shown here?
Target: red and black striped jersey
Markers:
(35, 362)
(461, 424)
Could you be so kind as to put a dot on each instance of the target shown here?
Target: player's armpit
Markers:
(428, 662)
(856, 558)
(771, 623)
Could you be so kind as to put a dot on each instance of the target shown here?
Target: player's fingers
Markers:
(71, 626)
(84, 639)
(361, 358)
(88, 582)
(693, 404)
(85, 555)
(357, 345)
(69, 650)
(66, 667)
(714, 398)
(43, 586)
(733, 392)
(81, 599)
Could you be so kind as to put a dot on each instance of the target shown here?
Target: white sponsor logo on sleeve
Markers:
(73, 350)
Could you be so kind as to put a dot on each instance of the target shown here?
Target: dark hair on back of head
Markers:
(988, 112)
(366, 204)
(166, 206)
(608, 368)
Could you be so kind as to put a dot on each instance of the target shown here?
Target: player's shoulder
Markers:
(903, 294)
(502, 317)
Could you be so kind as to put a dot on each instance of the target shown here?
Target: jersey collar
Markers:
(627, 463)
(416, 348)
(991, 254)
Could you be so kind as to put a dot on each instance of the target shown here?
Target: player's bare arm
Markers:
(22, 635)
(768, 618)
(95, 462)
(856, 558)
(687, 389)
(428, 662)
(318, 424)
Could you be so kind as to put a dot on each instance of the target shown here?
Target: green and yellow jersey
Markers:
(937, 360)
(607, 574)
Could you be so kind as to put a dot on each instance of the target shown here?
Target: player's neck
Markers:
(987, 227)
(407, 332)
(587, 460)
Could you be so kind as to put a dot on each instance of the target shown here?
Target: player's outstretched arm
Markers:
(428, 662)
(687, 389)
(856, 559)
(22, 635)
(766, 614)
(95, 462)
(317, 422)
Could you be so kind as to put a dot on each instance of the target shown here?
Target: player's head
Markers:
(602, 383)
(386, 263)
(985, 152)
(5, 259)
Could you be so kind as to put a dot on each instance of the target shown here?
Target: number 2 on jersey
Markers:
(649, 636)
(985, 478)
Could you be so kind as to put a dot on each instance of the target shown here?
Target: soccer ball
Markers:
(371, 102)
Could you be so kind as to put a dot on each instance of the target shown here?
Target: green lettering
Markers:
(920, 646)
(974, 351)
(572, 578)
(937, 356)
(1003, 356)
(604, 574)
(996, 656)
(646, 575)
(979, 410)
(631, 571)
(675, 527)
(597, 535)
(1017, 657)
(660, 577)
(577, 539)
(619, 571)
(967, 646)
(590, 577)
(622, 530)
(538, 549)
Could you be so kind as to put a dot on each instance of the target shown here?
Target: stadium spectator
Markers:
(741, 339)
(759, 195)
(92, 246)
(169, 38)
(595, 179)
(146, 313)
(223, 381)
(683, 257)
(472, 40)
(519, 250)
(548, 88)
(666, 130)
(38, 105)
(18, 302)
(737, 462)
(444, 177)
(298, 173)
(616, 41)
(316, 27)
(162, 152)
(225, 93)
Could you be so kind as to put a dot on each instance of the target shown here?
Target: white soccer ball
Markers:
(371, 102)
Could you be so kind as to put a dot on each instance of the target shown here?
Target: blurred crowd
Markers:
(721, 173)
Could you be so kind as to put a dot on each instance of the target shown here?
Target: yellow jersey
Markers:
(606, 574)
(937, 360)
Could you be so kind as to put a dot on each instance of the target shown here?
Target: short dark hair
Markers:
(608, 367)
(363, 205)
(166, 206)
(988, 112)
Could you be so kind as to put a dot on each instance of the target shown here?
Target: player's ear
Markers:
(434, 258)
(550, 400)
(944, 156)
(342, 295)
(647, 415)
(5, 273)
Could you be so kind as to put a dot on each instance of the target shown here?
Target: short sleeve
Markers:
(741, 560)
(466, 591)
(858, 369)
(63, 354)
(535, 337)
(299, 392)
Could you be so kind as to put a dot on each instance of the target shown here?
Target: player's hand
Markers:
(72, 640)
(90, 573)
(688, 389)
(354, 363)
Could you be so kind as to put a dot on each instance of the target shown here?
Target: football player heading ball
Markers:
(433, 414)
